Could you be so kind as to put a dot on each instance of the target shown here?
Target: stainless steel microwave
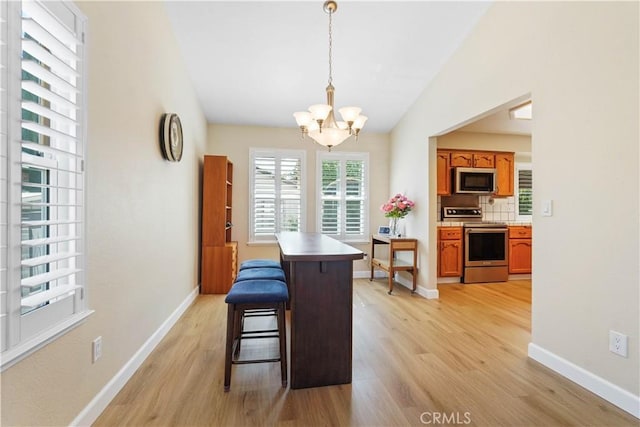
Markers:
(475, 180)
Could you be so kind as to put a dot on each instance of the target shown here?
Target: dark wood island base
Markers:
(319, 272)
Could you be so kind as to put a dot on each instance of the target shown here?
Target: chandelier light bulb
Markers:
(358, 123)
(320, 111)
(349, 114)
(303, 118)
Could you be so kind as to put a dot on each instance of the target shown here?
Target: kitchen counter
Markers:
(449, 223)
(461, 223)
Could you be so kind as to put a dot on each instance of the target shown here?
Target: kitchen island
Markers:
(319, 272)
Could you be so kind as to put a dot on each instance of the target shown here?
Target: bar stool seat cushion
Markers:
(257, 291)
(259, 263)
(260, 273)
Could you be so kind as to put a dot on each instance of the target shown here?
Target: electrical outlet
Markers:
(618, 343)
(96, 348)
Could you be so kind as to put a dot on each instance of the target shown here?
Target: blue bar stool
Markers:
(258, 294)
(266, 273)
(259, 263)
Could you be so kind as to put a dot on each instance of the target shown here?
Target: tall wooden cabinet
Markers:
(219, 253)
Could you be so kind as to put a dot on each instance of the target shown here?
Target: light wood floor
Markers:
(460, 359)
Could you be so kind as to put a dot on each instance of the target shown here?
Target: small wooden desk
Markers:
(319, 273)
(389, 262)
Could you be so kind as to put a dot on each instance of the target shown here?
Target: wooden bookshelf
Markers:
(219, 252)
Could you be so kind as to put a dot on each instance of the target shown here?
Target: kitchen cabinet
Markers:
(504, 164)
(450, 251)
(444, 173)
(483, 160)
(520, 249)
(219, 254)
(472, 159)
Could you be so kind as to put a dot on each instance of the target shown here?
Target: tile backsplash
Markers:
(493, 209)
(498, 209)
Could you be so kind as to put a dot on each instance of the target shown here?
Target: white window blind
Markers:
(45, 162)
(277, 193)
(343, 195)
(524, 190)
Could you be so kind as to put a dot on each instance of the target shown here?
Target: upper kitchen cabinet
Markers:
(503, 162)
(504, 174)
(444, 173)
(472, 159)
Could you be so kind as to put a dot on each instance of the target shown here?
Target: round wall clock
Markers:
(171, 137)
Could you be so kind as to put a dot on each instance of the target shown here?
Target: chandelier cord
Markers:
(330, 47)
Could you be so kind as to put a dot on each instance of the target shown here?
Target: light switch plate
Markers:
(547, 208)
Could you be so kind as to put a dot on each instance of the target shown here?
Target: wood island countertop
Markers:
(297, 246)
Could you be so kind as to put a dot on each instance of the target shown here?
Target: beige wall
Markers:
(579, 62)
(235, 141)
(142, 213)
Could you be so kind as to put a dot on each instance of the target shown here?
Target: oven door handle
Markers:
(485, 230)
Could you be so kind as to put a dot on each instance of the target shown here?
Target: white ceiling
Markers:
(255, 63)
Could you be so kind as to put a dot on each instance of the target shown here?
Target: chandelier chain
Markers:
(330, 47)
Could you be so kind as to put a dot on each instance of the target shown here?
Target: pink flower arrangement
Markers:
(397, 207)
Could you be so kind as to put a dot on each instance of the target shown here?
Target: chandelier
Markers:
(319, 122)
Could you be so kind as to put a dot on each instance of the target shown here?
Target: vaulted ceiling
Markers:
(257, 62)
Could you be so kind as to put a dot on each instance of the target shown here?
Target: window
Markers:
(343, 187)
(524, 191)
(277, 193)
(43, 174)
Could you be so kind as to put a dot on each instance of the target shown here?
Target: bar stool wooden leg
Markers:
(231, 324)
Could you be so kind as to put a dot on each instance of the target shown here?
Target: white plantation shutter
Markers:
(277, 196)
(264, 196)
(524, 189)
(45, 159)
(4, 176)
(343, 195)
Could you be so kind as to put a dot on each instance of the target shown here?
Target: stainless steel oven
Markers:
(485, 252)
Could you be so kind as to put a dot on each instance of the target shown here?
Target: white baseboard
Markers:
(428, 293)
(420, 290)
(93, 410)
(365, 274)
(595, 384)
(446, 280)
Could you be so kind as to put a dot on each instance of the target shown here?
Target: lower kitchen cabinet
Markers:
(450, 251)
(520, 249)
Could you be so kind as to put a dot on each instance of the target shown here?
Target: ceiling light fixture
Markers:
(319, 122)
